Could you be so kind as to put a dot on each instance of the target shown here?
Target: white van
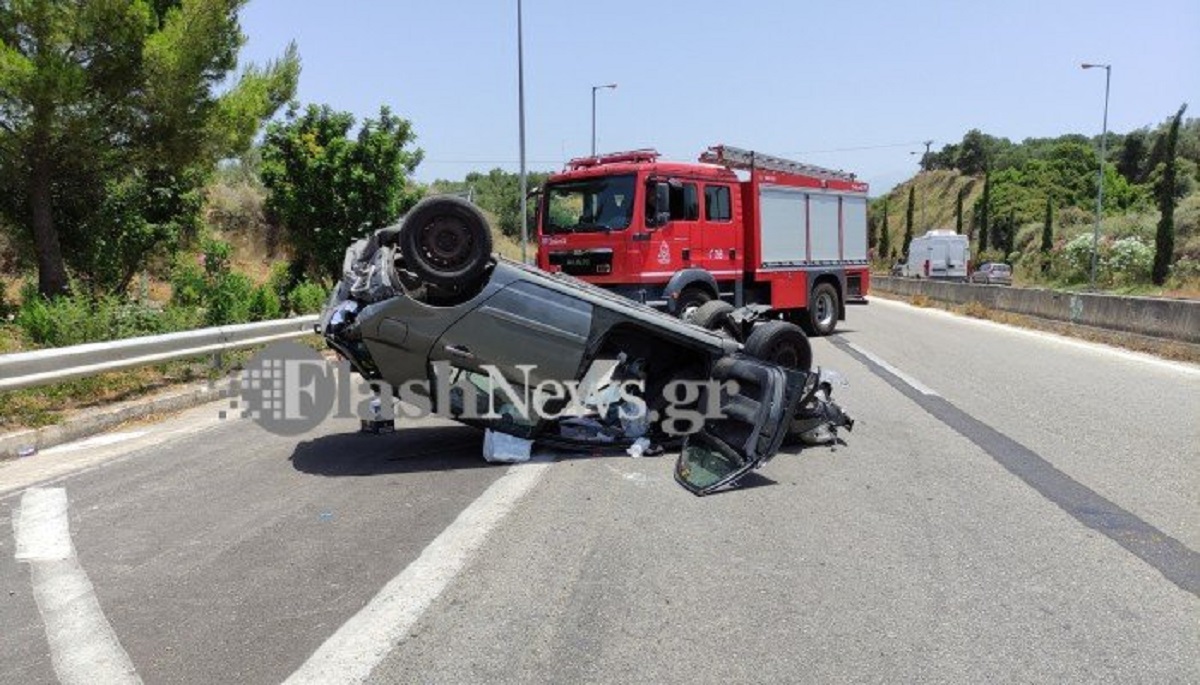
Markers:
(940, 254)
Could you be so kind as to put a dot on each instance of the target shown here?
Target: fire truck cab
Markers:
(675, 235)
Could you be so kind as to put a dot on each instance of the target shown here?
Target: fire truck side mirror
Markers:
(662, 204)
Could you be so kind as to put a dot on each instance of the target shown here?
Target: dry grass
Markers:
(43, 406)
(46, 405)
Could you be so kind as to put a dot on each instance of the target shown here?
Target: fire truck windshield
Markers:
(603, 203)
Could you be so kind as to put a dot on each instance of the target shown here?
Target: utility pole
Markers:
(924, 157)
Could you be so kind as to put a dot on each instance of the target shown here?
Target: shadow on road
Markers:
(410, 450)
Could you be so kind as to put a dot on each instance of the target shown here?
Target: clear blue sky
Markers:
(849, 85)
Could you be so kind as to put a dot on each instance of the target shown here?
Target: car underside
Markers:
(425, 307)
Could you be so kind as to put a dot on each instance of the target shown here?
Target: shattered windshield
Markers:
(589, 205)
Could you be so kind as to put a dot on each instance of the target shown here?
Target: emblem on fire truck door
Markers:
(664, 254)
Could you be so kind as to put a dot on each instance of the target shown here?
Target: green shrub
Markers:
(284, 276)
(307, 298)
(264, 305)
(1077, 258)
(229, 300)
(1129, 261)
(188, 285)
(34, 318)
(215, 256)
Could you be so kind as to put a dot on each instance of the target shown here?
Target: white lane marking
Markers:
(916, 384)
(1054, 338)
(351, 653)
(97, 441)
(83, 647)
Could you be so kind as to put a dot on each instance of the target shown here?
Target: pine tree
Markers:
(908, 219)
(111, 116)
(1164, 238)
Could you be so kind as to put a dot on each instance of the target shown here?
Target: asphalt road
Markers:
(1010, 507)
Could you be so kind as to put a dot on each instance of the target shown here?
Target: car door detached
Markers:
(758, 400)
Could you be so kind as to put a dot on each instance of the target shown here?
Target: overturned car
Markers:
(425, 306)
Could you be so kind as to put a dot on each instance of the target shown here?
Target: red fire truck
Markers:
(675, 235)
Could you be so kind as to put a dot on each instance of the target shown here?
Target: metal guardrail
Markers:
(41, 367)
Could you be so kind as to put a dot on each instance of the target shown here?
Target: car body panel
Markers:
(528, 325)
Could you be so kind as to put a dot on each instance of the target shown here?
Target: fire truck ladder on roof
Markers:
(748, 160)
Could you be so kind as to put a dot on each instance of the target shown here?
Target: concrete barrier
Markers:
(1154, 316)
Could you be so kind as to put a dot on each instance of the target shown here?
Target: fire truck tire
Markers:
(782, 343)
(446, 241)
(822, 314)
(712, 315)
(690, 300)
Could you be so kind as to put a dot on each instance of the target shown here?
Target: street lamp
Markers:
(924, 158)
(521, 126)
(594, 89)
(1100, 174)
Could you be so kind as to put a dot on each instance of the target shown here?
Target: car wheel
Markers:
(712, 315)
(822, 310)
(446, 241)
(781, 343)
(689, 301)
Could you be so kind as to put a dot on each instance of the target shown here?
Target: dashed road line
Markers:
(83, 647)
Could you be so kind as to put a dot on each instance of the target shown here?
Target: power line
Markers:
(859, 148)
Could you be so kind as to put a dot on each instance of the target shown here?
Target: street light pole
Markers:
(594, 89)
(521, 126)
(1100, 174)
(922, 167)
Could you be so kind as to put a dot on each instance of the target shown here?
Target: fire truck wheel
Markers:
(782, 343)
(822, 310)
(446, 241)
(689, 301)
(712, 315)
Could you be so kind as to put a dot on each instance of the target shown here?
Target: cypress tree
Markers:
(958, 218)
(1010, 235)
(885, 240)
(908, 219)
(1164, 238)
(1047, 234)
(985, 215)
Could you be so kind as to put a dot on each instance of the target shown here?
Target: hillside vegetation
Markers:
(1052, 182)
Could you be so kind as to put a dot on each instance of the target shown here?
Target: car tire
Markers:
(712, 315)
(446, 241)
(781, 343)
(691, 299)
(822, 313)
